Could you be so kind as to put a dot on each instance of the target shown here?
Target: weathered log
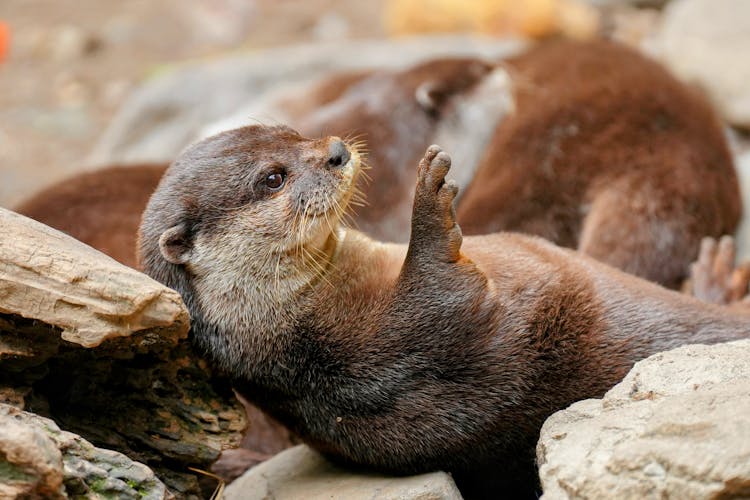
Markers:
(48, 276)
(102, 350)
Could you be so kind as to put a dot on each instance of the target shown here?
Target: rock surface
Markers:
(168, 113)
(678, 426)
(300, 472)
(708, 42)
(37, 459)
(742, 162)
(102, 349)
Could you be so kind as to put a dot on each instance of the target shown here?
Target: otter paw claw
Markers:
(434, 218)
(714, 278)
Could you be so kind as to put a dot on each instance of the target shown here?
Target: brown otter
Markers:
(101, 208)
(441, 354)
(606, 153)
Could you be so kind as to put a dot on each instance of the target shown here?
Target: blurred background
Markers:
(68, 68)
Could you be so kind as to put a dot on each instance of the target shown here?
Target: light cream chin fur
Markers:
(261, 261)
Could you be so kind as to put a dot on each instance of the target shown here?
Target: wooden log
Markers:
(102, 350)
(48, 276)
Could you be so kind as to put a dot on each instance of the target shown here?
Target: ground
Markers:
(73, 62)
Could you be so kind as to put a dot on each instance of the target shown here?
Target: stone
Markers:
(300, 472)
(677, 426)
(102, 349)
(38, 459)
(167, 113)
(707, 43)
(742, 162)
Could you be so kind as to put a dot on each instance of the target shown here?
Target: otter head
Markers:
(243, 220)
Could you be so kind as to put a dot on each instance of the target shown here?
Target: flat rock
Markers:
(166, 114)
(300, 472)
(38, 460)
(678, 426)
(707, 42)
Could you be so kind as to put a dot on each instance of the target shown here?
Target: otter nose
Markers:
(338, 155)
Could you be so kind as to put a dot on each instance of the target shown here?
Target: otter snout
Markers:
(338, 154)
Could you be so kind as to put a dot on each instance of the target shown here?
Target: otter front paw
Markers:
(434, 231)
(714, 277)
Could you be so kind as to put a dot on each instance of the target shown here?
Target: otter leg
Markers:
(435, 236)
(714, 277)
(631, 227)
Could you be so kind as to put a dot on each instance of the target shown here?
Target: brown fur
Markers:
(435, 355)
(609, 154)
(102, 208)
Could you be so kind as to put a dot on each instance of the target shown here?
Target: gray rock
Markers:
(39, 460)
(708, 43)
(166, 114)
(300, 472)
(742, 161)
(678, 426)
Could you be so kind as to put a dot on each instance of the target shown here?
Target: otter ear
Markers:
(430, 96)
(175, 244)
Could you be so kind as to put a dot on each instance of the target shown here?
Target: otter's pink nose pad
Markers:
(338, 155)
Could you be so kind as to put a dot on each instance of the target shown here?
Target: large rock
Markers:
(678, 426)
(168, 113)
(708, 42)
(38, 460)
(102, 349)
(302, 473)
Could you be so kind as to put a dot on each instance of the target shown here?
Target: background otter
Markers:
(605, 152)
(609, 154)
(398, 358)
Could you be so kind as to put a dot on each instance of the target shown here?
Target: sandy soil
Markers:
(73, 62)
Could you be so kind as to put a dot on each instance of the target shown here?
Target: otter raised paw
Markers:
(714, 277)
(434, 230)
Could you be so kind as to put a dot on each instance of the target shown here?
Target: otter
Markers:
(607, 153)
(101, 208)
(444, 353)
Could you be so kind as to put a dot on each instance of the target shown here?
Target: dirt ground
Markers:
(72, 63)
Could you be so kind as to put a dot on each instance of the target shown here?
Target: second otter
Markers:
(441, 354)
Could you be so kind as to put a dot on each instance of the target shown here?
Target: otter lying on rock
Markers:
(446, 353)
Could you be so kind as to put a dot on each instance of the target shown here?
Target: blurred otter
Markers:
(606, 153)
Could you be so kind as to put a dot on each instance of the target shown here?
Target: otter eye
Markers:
(275, 181)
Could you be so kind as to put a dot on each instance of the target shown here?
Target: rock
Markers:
(707, 42)
(677, 426)
(742, 161)
(102, 349)
(166, 114)
(300, 472)
(37, 459)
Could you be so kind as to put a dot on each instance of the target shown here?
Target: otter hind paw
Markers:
(714, 278)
